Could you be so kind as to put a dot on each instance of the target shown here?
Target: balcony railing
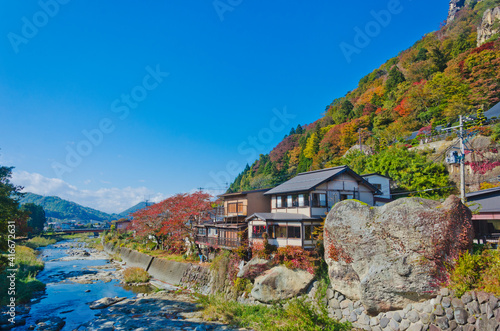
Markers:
(219, 242)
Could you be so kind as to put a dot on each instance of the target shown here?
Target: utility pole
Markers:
(359, 137)
(461, 135)
(462, 161)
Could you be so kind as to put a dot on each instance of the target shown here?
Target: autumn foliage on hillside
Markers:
(171, 220)
(440, 77)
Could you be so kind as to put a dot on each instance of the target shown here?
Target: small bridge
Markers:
(81, 230)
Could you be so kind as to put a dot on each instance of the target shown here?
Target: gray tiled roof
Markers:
(487, 200)
(281, 217)
(307, 181)
(493, 111)
(413, 135)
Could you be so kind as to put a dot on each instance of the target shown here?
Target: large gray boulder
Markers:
(396, 254)
(280, 283)
(254, 268)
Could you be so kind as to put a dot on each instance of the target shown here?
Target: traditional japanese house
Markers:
(299, 205)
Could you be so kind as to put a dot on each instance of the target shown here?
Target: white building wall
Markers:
(384, 183)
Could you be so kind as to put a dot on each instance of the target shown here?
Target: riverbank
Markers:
(82, 284)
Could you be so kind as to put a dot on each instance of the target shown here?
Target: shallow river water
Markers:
(67, 299)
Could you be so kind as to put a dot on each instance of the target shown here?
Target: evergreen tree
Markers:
(37, 219)
(439, 59)
(395, 77)
(299, 130)
(422, 54)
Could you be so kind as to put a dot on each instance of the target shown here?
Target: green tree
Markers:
(12, 219)
(422, 54)
(439, 59)
(299, 130)
(37, 219)
(343, 112)
(395, 77)
(312, 146)
(410, 171)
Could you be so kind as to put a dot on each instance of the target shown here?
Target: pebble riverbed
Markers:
(85, 291)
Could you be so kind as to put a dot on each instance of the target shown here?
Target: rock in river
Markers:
(105, 302)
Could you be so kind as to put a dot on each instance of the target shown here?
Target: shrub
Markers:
(27, 261)
(26, 287)
(243, 285)
(262, 249)
(135, 275)
(294, 257)
(466, 273)
(477, 271)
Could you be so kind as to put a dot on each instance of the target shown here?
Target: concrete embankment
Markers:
(171, 272)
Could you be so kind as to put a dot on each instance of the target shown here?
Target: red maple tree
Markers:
(172, 220)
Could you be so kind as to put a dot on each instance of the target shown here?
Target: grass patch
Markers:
(116, 257)
(27, 265)
(297, 314)
(37, 242)
(92, 242)
(171, 257)
(27, 261)
(135, 275)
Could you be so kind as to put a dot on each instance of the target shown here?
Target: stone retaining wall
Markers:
(198, 278)
(474, 311)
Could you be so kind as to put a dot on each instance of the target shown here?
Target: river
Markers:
(77, 276)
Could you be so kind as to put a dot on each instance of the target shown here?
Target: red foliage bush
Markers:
(295, 257)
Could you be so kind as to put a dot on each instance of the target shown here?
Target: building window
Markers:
(258, 231)
(301, 200)
(345, 197)
(378, 186)
(280, 231)
(235, 207)
(282, 201)
(289, 201)
(319, 200)
(202, 231)
(294, 232)
(212, 232)
(309, 232)
(277, 231)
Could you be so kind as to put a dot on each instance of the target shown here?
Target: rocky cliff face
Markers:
(390, 256)
(455, 6)
(490, 25)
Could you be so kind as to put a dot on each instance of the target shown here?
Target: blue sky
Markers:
(108, 102)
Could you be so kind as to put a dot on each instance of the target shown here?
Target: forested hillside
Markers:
(60, 209)
(442, 76)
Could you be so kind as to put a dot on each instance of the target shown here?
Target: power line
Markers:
(429, 189)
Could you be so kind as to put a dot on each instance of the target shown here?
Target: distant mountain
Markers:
(126, 213)
(60, 209)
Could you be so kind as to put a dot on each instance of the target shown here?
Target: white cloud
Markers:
(110, 200)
